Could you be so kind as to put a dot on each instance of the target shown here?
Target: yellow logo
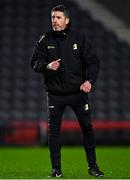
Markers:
(75, 47)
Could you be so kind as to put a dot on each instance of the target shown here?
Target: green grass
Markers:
(34, 163)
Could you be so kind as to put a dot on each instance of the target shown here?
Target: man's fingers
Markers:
(81, 87)
(58, 60)
(85, 88)
(54, 65)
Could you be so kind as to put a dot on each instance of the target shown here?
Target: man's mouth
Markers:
(55, 25)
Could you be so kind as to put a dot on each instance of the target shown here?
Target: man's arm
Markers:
(39, 57)
(91, 60)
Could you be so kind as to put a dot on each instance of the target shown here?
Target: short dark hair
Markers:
(63, 9)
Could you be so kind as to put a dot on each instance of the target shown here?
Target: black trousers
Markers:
(80, 105)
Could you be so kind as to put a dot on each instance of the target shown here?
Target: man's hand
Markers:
(54, 65)
(86, 87)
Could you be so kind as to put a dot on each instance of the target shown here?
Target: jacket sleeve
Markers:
(39, 57)
(90, 59)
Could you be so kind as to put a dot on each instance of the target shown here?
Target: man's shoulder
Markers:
(44, 36)
(81, 36)
(74, 31)
(77, 32)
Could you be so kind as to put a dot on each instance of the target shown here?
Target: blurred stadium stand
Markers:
(22, 95)
(119, 8)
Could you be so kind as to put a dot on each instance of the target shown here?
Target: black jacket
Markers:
(78, 61)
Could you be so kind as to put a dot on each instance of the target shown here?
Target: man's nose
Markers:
(54, 20)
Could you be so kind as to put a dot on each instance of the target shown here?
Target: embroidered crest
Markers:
(75, 47)
(86, 107)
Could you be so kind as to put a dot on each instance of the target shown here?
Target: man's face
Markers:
(59, 20)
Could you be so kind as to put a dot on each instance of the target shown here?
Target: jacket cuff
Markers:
(91, 81)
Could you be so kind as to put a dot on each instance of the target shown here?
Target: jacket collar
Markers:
(61, 33)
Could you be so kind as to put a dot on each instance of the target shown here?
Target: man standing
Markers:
(70, 68)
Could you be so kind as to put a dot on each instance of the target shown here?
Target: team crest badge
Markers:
(86, 107)
(75, 47)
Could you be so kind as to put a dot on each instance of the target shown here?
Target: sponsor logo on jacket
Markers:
(50, 47)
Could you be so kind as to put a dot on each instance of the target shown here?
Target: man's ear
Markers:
(67, 21)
